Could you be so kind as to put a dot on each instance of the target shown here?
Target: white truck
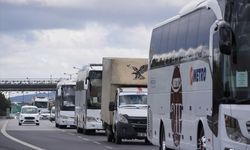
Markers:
(42, 104)
(124, 98)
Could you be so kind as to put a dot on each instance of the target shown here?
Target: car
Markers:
(52, 114)
(44, 114)
(29, 115)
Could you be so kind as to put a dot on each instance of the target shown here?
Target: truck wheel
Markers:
(79, 130)
(117, 139)
(37, 124)
(109, 134)
(201, 141)
(147, 141)
(162, 139)
(19, 124)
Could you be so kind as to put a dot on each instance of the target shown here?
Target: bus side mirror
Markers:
(86, 82)
(226, 38)
(112, 106)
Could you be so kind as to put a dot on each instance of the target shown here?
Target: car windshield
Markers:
(132, 99)
(44, 111)
(29, 111)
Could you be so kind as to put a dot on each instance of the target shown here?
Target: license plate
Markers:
(142, 134)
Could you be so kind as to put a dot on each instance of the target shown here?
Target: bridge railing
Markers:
(29, 81)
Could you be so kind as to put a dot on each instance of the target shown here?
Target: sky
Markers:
(43, 38)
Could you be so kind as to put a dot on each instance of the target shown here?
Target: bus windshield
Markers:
(132, 99)
(237, 84)
(68, 98)
(95, 90)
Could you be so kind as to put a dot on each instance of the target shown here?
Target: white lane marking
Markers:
(108, 147)
(85, 139)
(71, 133)
(79, 137)
(96, 142)
(3, 130)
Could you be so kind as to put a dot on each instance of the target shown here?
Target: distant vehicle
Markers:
(88, 99)
(199, 78)
(29, 115)
(41, 103)
(44, 114)
(65, 104)
(52, 114)
(124, 98)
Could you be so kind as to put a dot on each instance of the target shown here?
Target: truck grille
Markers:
(137, 120)
(29, 118)
(248, 126)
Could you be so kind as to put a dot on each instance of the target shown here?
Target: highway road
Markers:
(47, 137)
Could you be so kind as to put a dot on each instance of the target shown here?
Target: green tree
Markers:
(4, 104)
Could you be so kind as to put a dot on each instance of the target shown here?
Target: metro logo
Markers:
(197, 75)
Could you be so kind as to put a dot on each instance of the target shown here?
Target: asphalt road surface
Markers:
(47, 137)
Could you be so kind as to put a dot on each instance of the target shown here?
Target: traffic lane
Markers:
(51, 140)
(7, 144)
(54, 138)
(46, 136)
(101, 138)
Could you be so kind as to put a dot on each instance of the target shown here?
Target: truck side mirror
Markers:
(226, 38)
(112, 106)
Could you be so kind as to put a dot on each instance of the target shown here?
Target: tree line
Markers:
(4, 104)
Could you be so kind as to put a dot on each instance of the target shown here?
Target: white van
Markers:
(29, 115)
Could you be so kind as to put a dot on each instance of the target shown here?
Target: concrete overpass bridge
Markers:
(28, 84)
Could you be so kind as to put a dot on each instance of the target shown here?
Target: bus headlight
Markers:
(122, 119)
(233, 130)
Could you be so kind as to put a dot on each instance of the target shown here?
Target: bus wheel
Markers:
(201, 140)
(162, 139)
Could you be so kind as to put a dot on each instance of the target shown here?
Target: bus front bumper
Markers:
(94, 125)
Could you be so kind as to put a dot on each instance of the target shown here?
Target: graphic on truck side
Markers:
(139, 72)
(176, 106)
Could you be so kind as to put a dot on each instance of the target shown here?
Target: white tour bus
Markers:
(88, 99)
(199, 80)
(65, 104)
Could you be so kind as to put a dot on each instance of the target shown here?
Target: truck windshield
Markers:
(41, 104)
(237, 67)
(29, 111)
(132, 99)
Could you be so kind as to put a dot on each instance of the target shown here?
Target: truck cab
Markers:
(130, 114)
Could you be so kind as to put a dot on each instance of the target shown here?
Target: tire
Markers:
(117, 139)
(162, 139)
(201, 140)
(56, 125)
(110, 137)
(37, 124)
(79, 130)
(147, 141)
(19, 124)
